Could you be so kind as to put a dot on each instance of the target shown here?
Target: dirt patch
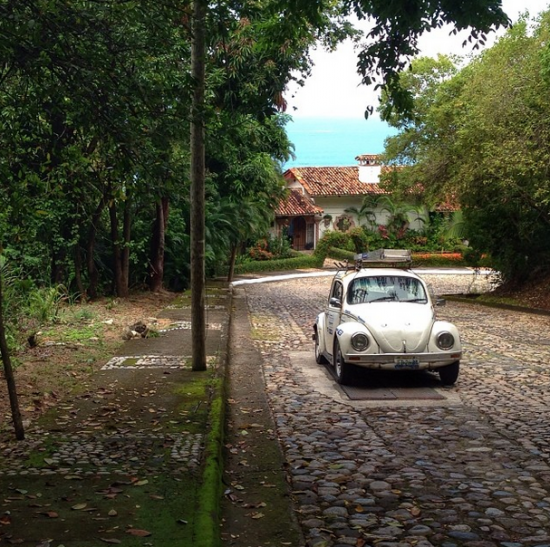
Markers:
(535, 294)
(70, 349)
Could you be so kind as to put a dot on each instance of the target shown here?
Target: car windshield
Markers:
(386, 288)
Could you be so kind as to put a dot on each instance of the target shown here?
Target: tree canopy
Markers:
(95, 100)
(397, 26)
(481, 137)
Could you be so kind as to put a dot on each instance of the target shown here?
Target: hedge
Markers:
(297, 263)
(441, 260)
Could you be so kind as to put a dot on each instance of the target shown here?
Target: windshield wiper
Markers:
(383, 298)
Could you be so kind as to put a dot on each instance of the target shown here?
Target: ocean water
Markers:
(335, 142)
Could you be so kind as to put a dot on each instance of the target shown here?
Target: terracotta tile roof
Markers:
(296, 204)
(332, 181)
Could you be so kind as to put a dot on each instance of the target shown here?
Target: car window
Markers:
(387, 288)
(337, 291)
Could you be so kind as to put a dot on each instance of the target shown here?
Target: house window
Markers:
(310, 236)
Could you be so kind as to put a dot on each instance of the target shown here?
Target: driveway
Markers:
(466, 466)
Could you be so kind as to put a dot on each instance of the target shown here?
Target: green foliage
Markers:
(43, 303)
(341, 254)
(296, 263)
(279, 246)
(340, 240)
(481, 136)
(359, 238)
(94, 107)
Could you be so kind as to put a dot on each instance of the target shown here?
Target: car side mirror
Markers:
(335, 302)
(438, 301)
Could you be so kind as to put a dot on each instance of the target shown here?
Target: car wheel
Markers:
(319, 357)
(341, 368)
(449, 373)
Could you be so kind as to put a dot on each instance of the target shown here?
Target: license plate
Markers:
(407, 363)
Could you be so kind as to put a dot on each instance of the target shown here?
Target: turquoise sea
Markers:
(335, 142)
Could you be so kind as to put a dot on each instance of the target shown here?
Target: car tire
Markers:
(449, 373)
(319, 357)
(342, 369)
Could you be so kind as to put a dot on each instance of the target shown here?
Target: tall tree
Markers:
(198, 175)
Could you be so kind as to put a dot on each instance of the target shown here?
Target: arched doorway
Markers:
(297, 230)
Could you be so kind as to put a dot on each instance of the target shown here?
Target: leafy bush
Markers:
(340, 254)
(269, 248)
(260, 251)
(339, 240)
(359, 239)
(301, 262)
(279, 246)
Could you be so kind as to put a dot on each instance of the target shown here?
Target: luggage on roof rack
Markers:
(384, 257)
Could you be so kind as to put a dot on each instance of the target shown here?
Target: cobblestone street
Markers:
(470, 469)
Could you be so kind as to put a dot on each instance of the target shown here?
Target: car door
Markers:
(334, 313)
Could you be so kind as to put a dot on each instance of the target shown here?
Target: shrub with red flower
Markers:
(383, 231)
(260, 251)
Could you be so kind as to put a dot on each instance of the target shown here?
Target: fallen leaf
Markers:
(112, 541)
(50, 514)
(257, 516)
(138, 532)
(254, 505)
(112, 513)
(5, 520)
(79, 506)
(141, 483)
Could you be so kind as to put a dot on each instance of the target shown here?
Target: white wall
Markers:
(336, 206)
(369, 174)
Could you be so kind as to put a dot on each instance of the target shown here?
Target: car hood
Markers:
(399, 327)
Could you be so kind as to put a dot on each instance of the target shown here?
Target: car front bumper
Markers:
(403, 361)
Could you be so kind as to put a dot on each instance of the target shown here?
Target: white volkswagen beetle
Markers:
(384, 318)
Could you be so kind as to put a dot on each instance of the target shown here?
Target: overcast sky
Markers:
(334, 88)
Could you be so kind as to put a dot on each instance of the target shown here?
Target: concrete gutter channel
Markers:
(243, 494)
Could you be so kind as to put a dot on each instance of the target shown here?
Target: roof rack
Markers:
(384, 257)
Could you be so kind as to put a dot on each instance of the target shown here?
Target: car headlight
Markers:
(445, 340)
(359, 341)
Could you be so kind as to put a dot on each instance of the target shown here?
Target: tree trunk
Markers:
(158, 239)
(93, 274)
(198, 281)
(118, 280)
(78, 273)
(125, 252)
(8, 372)
(232, 258)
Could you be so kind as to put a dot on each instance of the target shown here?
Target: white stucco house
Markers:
(319, 196)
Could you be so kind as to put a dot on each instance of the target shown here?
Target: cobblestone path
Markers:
(472, 471)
